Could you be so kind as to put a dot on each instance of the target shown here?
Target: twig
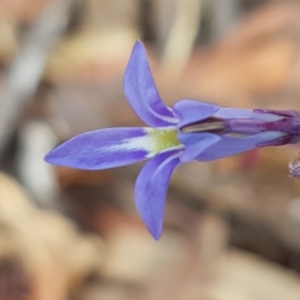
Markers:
(26, 72)
(182, 36)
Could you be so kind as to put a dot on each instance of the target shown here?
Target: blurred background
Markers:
(232, 227)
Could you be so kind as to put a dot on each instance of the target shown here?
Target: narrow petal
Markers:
(282, 113)
(141, 91)
(239, 113)
(151, 189)
(228, 113)
(191, 111)
(195, 144)
(231, 145)
(105, 148)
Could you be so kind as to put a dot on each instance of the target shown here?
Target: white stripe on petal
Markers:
(147, 142)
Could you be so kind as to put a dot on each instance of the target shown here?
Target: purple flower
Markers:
(191, 130)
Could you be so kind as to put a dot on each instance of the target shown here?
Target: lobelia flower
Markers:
(191, 130)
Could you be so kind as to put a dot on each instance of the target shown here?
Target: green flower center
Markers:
(165, 139)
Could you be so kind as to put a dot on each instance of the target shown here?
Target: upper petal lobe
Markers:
(141, 91)
(192, 111)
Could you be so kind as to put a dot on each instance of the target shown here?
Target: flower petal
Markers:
(281, 113)
(239, 113)
(228, 113)
(195, 144)
(151, 189)
(231, 145)
(141, 91)
(105, 148)
(191, 111)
